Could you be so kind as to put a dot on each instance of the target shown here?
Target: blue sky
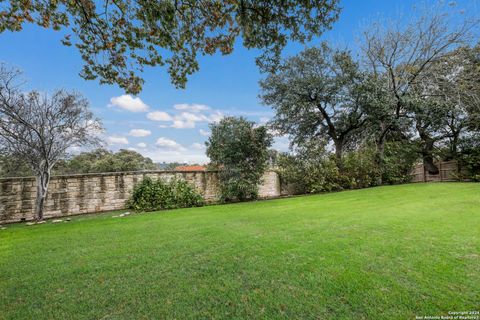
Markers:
(170, 124)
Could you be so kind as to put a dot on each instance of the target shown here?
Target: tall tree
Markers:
(318, 95)
(455, 83)
(117, 39)
(40, 129)
(445, 101)
(400, 53)
(240, 150)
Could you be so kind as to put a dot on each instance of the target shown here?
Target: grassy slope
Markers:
(380, 253)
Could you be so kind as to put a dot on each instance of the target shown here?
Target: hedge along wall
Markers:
(88, 193)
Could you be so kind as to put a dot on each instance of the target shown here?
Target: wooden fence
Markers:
(448, 172)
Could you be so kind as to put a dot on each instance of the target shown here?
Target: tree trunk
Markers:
(43, 179)
(427, 155)
(454, 146)
(379, 159)
(380, 144)
(339, 154)
(427, 150)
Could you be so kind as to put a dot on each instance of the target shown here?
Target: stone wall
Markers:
(88, 193)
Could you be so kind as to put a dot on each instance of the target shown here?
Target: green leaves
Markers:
(101, 160)
(318, 95)
(117, 39)
(152, 195)
(240, 151)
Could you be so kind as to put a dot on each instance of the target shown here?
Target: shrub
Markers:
(398, 162)
(469, 157)
(152, 195)
(239, 149)
(312, 171)
(235, 185)
(360, 169)
(309, 175)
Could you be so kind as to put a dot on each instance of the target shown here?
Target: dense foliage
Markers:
(101, 160)
(240, 150)
(313, 169)
(98, 160)
(152, 195)
(117, 39)
(470, 158)
(412, 91)
(11, 166)
(316, 96)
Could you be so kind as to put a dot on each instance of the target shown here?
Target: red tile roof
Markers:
(190, 168)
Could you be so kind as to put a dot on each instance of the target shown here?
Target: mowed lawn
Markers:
(381, 253)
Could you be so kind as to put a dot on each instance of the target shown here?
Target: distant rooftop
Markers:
(190, 168)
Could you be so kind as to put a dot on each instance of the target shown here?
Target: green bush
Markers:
(360, 169)
(469, 157)
(398, 162)
(309, 175)
(152, 195)
(239, 150)
(235, 185)
(313, 171)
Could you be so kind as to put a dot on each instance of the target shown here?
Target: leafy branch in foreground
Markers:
(117, 39)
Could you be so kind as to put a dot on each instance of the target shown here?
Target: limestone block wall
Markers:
(88, 193)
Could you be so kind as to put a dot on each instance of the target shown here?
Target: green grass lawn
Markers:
(381, 253)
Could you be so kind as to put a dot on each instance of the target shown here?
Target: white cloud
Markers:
(180, 124)
(264, 120)
(116, 140)
(204, 133)
(187, 116)
(198, 146)
(132, 149)
(187, 156)
(169, 144)
(159, 116)
(139, 133)
(281, 143)
(216, 116)
(187, 120)
(74, 149)
(129, 103)
(142, 145)
(94, 128)
(191, 107)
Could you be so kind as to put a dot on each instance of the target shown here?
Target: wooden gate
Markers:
(448, 172)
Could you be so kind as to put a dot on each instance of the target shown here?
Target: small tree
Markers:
(40, 129)
(240, 151)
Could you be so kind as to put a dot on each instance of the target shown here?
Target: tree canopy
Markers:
(101, 160)
(411, 93)
(317, 95)
(117, 39)
(403, 56)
